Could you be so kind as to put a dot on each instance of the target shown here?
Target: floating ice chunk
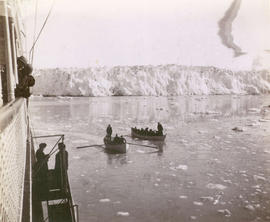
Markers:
(182, 167)
(238, 129)
(226, 212)
(217, 137)
(208, 198)
(193, 217)
(76, 157)
(249, 207)
(227, 181)
(140, 151)
(202, 131)
(253, 124)
(254, 110)
(197, 203)
(172, 168)
(124, 214)
(264, 120)
(104, 200)
(256, 177)
(183, 197)
(266, 151)
(217, 198)
(216, 186)
(211, 112)
(183, 141)
(217, 160)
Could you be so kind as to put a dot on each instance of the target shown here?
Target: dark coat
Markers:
(61, 160)
(41, 164)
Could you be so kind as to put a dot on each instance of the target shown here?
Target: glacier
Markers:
(149, 80)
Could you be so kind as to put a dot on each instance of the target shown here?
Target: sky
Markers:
(85, 33)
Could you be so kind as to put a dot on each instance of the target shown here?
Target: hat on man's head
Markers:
(22, 59)
(42, 145)
(61, 145)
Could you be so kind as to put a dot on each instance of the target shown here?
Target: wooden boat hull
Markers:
(117, 148)
(155, 138)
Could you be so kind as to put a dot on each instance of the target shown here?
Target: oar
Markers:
(136, 144)
(127, 136)
(81, 147)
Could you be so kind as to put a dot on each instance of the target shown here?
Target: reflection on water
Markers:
(142, 110)
(201, 157)
(117, 159)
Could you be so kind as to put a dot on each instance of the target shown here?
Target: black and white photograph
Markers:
(134, 111)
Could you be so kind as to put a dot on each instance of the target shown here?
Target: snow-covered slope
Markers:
(162, 80)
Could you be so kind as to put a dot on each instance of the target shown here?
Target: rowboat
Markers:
(115, 148)
(144, 137)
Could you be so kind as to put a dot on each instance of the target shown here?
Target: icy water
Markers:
(206, 171)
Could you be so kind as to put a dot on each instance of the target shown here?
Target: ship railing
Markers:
(14, 150)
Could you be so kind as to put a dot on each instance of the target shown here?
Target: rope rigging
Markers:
(31, 52)
(34, 35)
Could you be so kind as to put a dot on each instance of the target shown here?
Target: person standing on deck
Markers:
(160, 129)
(41, 171)
(61, 167)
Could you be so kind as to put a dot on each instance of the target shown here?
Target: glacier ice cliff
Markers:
(162, 80)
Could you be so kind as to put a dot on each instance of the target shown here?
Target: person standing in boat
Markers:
(109, 131)
(61, 166)
(41, 171)
(160, 129)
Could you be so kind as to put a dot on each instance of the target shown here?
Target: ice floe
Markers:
(182, 167)
(226, 212)
(238, 129)
(121, 213)
(216, 186)
(105, 200)
(197, 203)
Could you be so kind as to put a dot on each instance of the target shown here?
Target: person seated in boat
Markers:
(146, 132)
(109, 131)
(151, 132)
(160, 129)
(61, 167)
(122, 140)
(116, 139)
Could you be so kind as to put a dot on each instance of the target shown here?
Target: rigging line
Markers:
(45, 22)
(31, 124)
(35, 144)
(31, 56)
